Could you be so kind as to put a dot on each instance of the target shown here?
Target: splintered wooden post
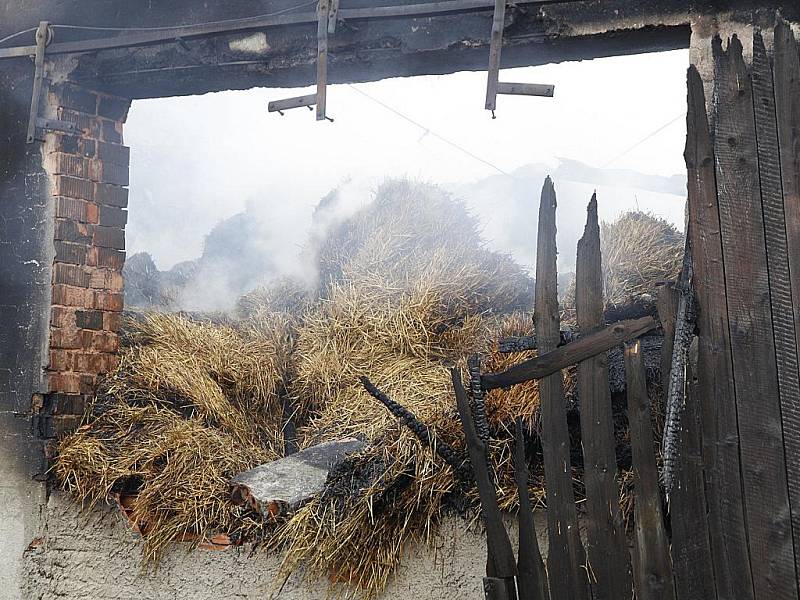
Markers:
(667, 304)
(652, 568)
(723, 484)
(609, 561)
(755, 370)
(531, 576)
(566, 561)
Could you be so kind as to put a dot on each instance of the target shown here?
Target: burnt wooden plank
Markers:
(750, 322)
(732, 575)
(652, 569)
(691, 545)
(585, 347)
(780, 287)
(787, 108)
(667, 309)
(566, 559)
(607, 549)
(531, 574)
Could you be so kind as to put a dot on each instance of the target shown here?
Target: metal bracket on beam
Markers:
(327, 15)
(494, 86)
(42, 39)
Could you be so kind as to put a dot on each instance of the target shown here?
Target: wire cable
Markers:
(19, 33)
(642, 141)
(171, 27)
(429, 131)
(168, 28)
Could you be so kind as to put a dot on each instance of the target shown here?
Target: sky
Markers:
(200, 159)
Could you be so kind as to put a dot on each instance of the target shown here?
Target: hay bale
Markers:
(639, 251)
(397, 234)
(191, 405)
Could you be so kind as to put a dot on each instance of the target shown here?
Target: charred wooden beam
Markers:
(565, 356)
(419, 429)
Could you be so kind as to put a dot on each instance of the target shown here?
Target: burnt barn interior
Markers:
(428, 417)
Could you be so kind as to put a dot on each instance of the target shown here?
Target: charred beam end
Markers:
(420, 430)
(526, 343)
(564, 356)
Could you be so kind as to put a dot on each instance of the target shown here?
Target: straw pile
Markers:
(406, 290)
(639, 251)
(191, 405)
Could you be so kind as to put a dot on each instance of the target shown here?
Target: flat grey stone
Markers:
(284, 485)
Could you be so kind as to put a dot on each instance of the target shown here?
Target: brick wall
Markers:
(89, 178)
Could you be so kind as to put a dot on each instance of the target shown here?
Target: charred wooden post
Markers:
(607, 549)
(531, 577)
(684, 330)
(691, 542)
(561, 357)
(478, 397)
(566, 559)
(652, 568)
(501, 567)
(526, 343)
(419, 429)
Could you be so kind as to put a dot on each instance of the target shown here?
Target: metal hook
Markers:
(494, 116)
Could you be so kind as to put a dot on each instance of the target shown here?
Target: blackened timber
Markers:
(531, 575)
(667, 304)
(691, 544)
(607, 548)
(526, 343)
(766, 493)
(787, 105)
(561, 357)
(720, 440)
(652, 569)
(500, 563)
(566, 559)
(780, 287)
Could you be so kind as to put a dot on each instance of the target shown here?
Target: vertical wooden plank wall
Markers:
(787, 113)
(744, 211)
(750, 321)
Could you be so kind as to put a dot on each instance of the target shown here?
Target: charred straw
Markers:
(420, 430)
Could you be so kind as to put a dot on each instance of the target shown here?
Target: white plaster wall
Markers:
(93, 555)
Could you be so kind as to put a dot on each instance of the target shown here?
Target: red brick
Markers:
(70, 275)
(60, 163)
(73, 144)
(61, 360)
(109, 237)
(67, 404)
(68, 252)
(109, 172)
(114, 153)
(111, 216)
(70, 338)
(111, 195)
(110, 131)
(73, 231)
(62, 317)
(110, 258)
(74, 187)
(89, 127)
(92, 213)
(87, 384)
(108, 301)
(105, 341)
(89, 319)
(112, 321)
(67, 383)
(67, 295)
(71, 208)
